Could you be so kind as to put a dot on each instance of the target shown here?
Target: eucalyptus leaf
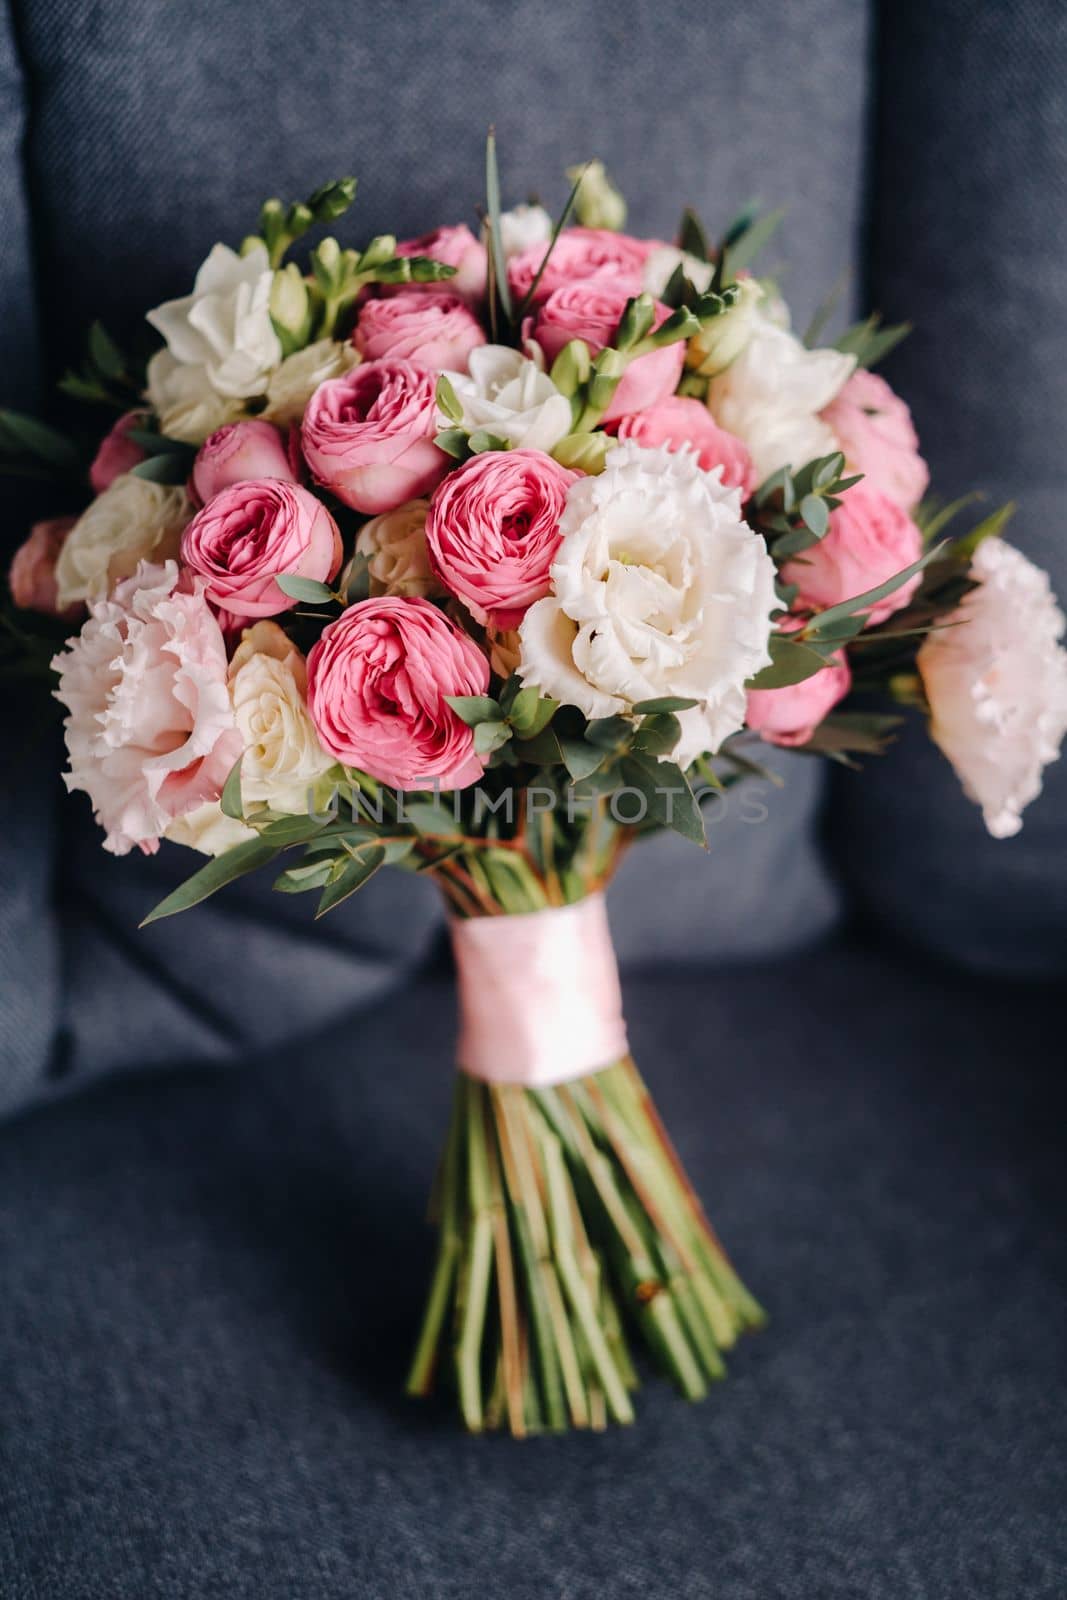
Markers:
(870, 597)
(230, 801)
(579, 758)
(474, 709)
(740, 251)
(306, 589)
(234, 863)
(359, 870)
(667, 793)
(169, 467)
(496, 242)
(791, 662)
(667, 702)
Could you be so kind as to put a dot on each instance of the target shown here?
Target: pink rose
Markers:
(870, 539)
(492, 532)
(581, 253)
(151, 733)
(237, 452)
(591, 310)
(434, 330)
(455, 247)
(368, 437)
(790, 716)
(117, 453)
(377, 681)
(249, 533)
(873, 426)
(678, 421)
(33, 570)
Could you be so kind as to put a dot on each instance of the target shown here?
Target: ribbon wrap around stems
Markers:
(539, 995)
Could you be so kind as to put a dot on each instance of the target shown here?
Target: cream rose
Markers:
(132, 521)
(268, 689)
(397, 558)
(187, 406)
(997, 685)
(291, 387)
(511, 395)
(660, 589)
(224, 327)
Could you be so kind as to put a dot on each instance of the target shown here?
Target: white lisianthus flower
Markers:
(523, 227)
(660, 589)
(662, 263)
(224, 326)
(397, 557)
(997, 685)
(771, 394)
(182, 398)
(292, 385)
(511, 395)
(132, 521)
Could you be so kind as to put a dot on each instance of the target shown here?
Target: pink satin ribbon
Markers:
(539, 996)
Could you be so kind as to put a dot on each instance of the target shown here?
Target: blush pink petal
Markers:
(368, 436)
(251, 532)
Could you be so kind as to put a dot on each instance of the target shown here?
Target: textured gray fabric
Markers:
(969, 206)
(211, 1281)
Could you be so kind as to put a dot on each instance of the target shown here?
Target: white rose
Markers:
(268, 689)
(659, 589)
(771, 394)
(511, 396)
(397, 557)
(224, 326)
(662, 263)
(208, 829)
(523, 227)
(997, 685)
(132, 521)
(292, 385)
(184, 401)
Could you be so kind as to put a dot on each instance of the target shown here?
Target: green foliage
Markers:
(499, 289)
(869, 342)
(29, 448)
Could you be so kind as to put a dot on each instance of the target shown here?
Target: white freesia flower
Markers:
(523, 227)
(224, 326)
(662, 263)
(997, 685)
(397, 557)
(132, 521)
(187, 406)
(659, 589)
(510, 395)
(772, 392)
(295, 381)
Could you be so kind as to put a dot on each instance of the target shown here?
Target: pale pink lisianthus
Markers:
(377, 681)
(678, 421)
(870, 540)
(118, 453)
(33, 570)
(250, 533)
(457, 247)
(873, 427)
(150, 731)
(581, 253)
(237, 452)
(368, 437)
(789, 716)
(591, 310)
(492, 532)
(434, 330)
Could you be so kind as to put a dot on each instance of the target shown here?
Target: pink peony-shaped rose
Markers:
(873, 426)
(870, 539)
(790, 716)
(237, 452)
(678, 421)
(151, 733)
(492, 532)
(33, 570)
(118, 453)
(591, 310)
(377, 681)
(581, 253)
(248, 534)
(368, 437)
(435, 330)
(455, 247)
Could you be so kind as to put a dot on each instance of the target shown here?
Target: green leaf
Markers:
(870, 597)
(530, 712)
(307, 589)
(564, 217)
(989, 528)
(579, 758)
(230, 800)
(540, 749)
(869, 342)
(447, 402)
(791, 662)
(105, 353)
(667, 793)
(496, 242)
(657, 735)
(667, 702)
(213, 876)
(740, 251)
(430, 817)
(691, 236)
(169, 467)
(298, 880)
(814, 513)
(609, 733)
(454, 442)
(489, 736)
(481, 440)
(19, 432)
(474, 708)
(364, 863)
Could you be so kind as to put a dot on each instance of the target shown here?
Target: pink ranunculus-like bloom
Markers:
(678, 421)
(455, 247)
(435, 330)
(248, 534)
(377, 681)
(870, 539)
(368, 437)
(581, 253)
(591, 310)
(33, 571)
(873, 426)
(237, 452)
(150, 731)
(492, 532)
(790, 716)
(118, 453)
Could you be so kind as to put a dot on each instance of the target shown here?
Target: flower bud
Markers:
(290, 309)
(722, 338)
(598, 204)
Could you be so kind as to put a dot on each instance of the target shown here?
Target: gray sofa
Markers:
(219, 1132)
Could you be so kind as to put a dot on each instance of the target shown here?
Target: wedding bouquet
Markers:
(484, 555)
